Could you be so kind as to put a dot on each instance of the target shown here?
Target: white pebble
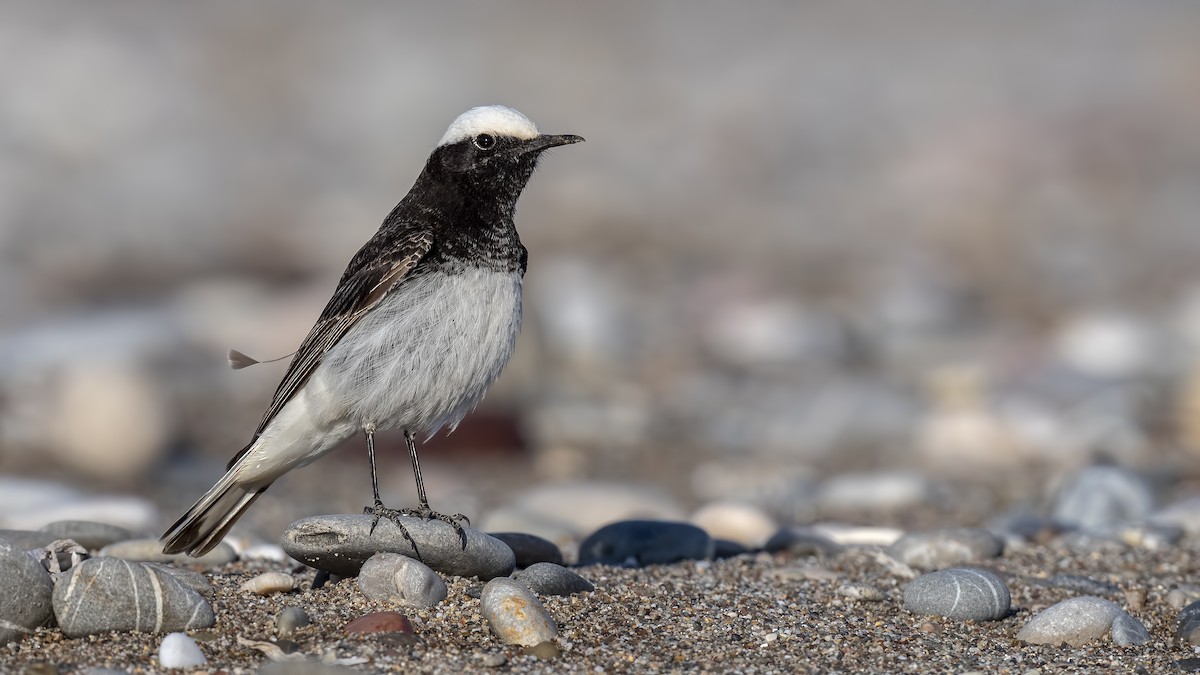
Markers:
(268, 583)
(180, 651)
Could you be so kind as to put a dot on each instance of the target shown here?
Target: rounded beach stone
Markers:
(340, 544)
(180, 651)
(149, 549)
(268, 583)
(1127, 630)
(395, 578)
(88, 534)
(104, 594)
(959, 593)
(289, 619)
(530, 548)
(645, 542)
(27, 540)
(379, 622)
(1075, 621)
(940, 549)
(25, 592)
(801, 540)
(1098, 497)
(743, 523)
(515, 614)
(1189, 622)
(550, 579)
(861, 591)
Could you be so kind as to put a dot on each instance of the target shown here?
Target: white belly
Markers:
(426, 355)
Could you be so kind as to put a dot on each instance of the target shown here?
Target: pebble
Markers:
(1188, 623)
(860, 591)
(530, 548)
(1082, 584)
(289, 619)
(150, 550)
(104, 594)
(1184, 514)
(801, 540)
(379, 622)
(1079, 621)
(1099, 497)
(959, 593)
(1182, 595)
(340, 544)
(180, 651)
(398, 579)
(88, 534)
(645, 542)
(27, 540)
(734, 521)
(25, 594)
(858, 535)
(268, 583)
(515, 614)
(949, 547)
(723, 548)
(1126, 630)
(551, 579)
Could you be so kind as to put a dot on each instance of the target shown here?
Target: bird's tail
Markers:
(208, 521)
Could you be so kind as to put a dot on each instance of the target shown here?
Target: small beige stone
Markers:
(268, 583)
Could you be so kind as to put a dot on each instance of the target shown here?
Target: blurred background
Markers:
(891, 264)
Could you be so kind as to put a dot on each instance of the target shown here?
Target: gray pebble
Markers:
(1127, 630)
(289, 619)
(959, 593)
(150, 550)
(1189, 622)
(515, 614)
(25, 591)
(1081, 584)
(1183, 595)
(530, 548)
(645, 542)
(340, 544)
(177, 650)
(27, 540)
(860, 591)
(551, 579)
(723, 548)
(398, 579)
(939, 549)
(104, 594)
(88, 534)
(268, 583)
(801, 540)
(493, 660)
(1103, 496)
(1075, 621)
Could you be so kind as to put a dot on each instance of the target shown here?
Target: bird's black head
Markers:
(491, 151)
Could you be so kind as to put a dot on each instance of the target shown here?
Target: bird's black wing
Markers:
(373, 272)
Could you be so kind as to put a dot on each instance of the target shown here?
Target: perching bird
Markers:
(421, 323)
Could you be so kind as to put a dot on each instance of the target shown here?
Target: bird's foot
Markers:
(379, 511)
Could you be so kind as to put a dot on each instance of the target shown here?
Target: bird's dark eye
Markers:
(485, 141)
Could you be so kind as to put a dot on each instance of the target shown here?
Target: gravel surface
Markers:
(755, 613)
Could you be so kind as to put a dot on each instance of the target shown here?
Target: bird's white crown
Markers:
(489, 119)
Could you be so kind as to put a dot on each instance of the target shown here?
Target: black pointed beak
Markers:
(546, 141)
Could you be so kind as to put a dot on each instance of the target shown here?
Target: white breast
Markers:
(427, 354)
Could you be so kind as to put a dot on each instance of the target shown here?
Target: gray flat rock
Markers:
(27, 540)
(1075, 621)
(645, 542)
(959, 593)
(515, 614)
(107, 594)
(88, 534)
(340, 544)
(530, 548)
(950, 547)
(25, 592)
(550, 579)
(401, 580)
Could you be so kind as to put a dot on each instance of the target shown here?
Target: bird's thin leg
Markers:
(378, 510)
(423, 509)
